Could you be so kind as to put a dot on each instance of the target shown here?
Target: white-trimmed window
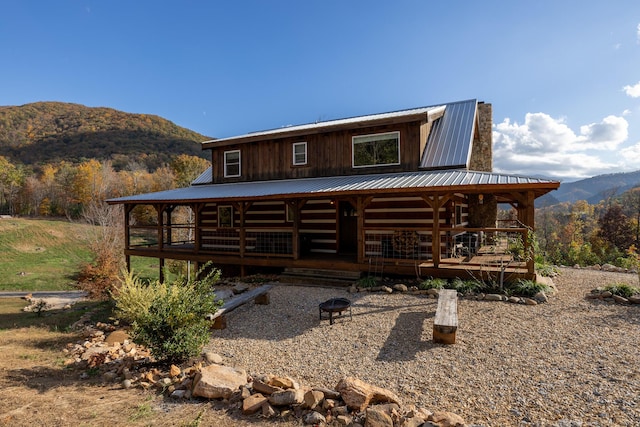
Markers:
(225, 216)
(380, 149)
(232, 163)
(299, 153)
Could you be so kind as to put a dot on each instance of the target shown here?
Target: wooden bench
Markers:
(446, 322)
(259, 294)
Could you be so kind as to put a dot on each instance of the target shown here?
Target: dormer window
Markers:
(381, 149)
(299, 153)
(232, 163)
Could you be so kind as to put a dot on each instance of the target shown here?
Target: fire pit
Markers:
(335, 305)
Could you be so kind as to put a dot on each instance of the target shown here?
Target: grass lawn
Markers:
(46, 255)
(41, 254)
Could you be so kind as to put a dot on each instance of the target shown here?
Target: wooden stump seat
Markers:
(445, 323)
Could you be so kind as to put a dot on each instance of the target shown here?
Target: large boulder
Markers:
(217, 381)
(358, 395)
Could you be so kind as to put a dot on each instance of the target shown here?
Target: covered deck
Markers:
(430, 224)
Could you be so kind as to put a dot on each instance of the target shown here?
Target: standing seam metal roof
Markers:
(450, 141)
(339, 184)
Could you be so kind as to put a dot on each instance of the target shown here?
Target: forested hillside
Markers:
(50, 132)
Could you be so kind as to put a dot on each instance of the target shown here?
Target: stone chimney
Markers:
(482, 150)
(483, 209)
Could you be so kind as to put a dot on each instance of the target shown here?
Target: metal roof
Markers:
(320, 126)
(458, 180)
(205, 177)
(450, 140)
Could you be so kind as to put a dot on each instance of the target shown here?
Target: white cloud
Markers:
(632, 91)
(547, 146)
(638, 33)
(631, 156)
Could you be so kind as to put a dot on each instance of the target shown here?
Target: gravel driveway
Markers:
(568, 362)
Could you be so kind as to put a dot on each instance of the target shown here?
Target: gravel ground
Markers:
(569, 362)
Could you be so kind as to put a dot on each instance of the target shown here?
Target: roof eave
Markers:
(290, 133)
(539, 189)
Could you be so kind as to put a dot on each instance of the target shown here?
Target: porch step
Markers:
(316, 276)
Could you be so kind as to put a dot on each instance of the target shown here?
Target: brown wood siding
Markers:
(318, 227)
(385, 217)
(328, 154)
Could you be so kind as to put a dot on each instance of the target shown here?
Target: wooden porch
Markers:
(500, 254)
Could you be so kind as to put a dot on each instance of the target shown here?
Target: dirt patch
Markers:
(27, 248)
(38, 390)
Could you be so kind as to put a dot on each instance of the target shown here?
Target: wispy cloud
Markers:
(638, 34)
(544, 145)
(632, 91)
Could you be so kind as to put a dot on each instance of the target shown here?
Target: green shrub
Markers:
(526, 288)
(367, 282)
(622, 289)
(171, 322)
(466, 286)
(132, 297)
(546, 270)
(433, 283)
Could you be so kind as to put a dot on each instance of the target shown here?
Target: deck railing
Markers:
(457, 245)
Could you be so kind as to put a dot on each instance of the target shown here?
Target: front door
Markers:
(348, 228)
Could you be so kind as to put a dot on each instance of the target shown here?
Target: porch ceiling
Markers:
(424, 182)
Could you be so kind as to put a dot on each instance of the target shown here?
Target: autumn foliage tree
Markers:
(616, 229)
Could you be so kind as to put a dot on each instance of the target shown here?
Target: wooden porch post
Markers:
(127, 236)
(160, 210)
(197, 238)
(169, 211)
(436, 202)
(530, 223)
(526, 215)
(361, 205)
(295, 228)
(297, 249)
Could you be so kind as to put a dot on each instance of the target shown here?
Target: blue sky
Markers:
(563, 76)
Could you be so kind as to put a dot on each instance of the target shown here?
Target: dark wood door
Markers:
(348, 231)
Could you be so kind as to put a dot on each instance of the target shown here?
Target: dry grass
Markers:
(36, 388)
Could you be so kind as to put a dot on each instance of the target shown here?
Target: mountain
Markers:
(49, 132)
(593, 190)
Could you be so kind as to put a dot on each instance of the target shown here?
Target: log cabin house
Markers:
(407, 192)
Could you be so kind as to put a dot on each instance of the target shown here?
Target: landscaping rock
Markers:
(117, 337)
(253, 403)
(286, 397)
(377, 417)
(358, 395)
(446, 419)
(211, 357)
(313, 398)
(620, 299)
(268, 411)
(262, 387)
(314, 418)
(217, 381)
(282, 382)
(493, 297)
(541, 297)
(328, 393)
(400, 287)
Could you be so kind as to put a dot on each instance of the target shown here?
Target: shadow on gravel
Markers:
(405, 338)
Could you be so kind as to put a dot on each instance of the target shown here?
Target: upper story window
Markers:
(379, 149)
(299, 153)
(231, 163)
